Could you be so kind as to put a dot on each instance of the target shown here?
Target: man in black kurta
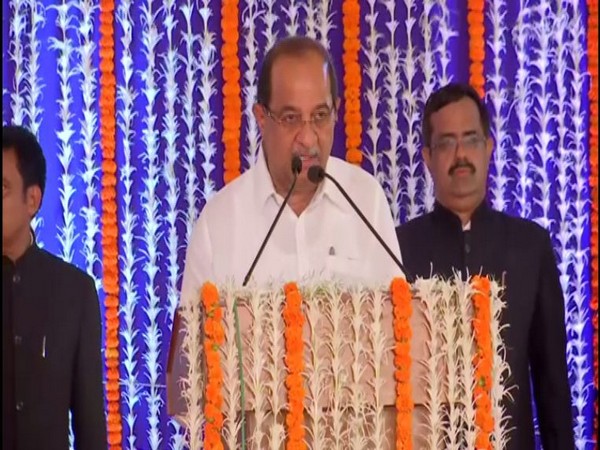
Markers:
(51, 329)
(465, 234)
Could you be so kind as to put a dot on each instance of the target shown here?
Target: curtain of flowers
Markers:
(131, 165)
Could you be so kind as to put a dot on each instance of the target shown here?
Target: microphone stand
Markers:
(296, 169)
(266, 239)
(316, 175)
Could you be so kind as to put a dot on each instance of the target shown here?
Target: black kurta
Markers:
(520, 253)
(51, 359)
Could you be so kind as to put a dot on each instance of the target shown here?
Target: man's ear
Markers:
(33, 199)
(426, 153)
(259, 114)
(489, 147)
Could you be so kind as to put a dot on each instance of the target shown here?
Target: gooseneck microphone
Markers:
(316, 174)
(296, 169)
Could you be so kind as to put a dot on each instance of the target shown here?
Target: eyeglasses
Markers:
(293, 121)
(472, 142)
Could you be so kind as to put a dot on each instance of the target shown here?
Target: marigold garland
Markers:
(475, 20)
(483, 361)
(402, 302)
(214, 338)
(110, 231)
(592, 43)
(294, 361)
(232, 102)
(352, 80)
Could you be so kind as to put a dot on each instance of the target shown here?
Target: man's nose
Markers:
(307, 136)
(460, 154)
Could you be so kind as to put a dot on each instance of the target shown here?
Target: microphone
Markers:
(316, 174)
(296, 169)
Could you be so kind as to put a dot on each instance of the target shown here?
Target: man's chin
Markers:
(304, 184)
(464, 195)
(464, 187)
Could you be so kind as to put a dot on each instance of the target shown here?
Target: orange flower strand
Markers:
(483, 362)
(352, 80)
(214, 337)
(294, 360)
(475, 19)
(232, 103)
(109, 223)
(402, 303)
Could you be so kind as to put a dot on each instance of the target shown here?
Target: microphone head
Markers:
(296, 165)
(316, 174)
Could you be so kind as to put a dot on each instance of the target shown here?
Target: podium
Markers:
(400, 366)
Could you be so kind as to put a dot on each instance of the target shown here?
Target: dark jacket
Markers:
(51, 361)
(520, 253)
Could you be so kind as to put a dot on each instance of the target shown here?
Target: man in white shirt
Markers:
(318, 236)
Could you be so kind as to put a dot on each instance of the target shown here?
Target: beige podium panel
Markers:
(348, 368)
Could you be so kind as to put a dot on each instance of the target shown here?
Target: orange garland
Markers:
(110, 230)
(352, 80)
(402, 301)
(294, 361)
(232, 102)
(483, 362)
(475, 20)
(592, 50)
(214, 338)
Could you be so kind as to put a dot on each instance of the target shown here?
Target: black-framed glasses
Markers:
(293, 121)
(471, 142)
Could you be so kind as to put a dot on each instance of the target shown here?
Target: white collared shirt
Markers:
(328, 240)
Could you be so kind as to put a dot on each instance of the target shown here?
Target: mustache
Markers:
(463, 163)
(311, 152)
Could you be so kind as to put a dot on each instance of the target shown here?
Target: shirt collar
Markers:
(329, 191)
(264, 188)
(442, 213)
(25, 257)
(263, 184)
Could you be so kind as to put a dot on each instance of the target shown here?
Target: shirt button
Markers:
(467, 248)
(19, 406)
(16, 278)
(18, 340)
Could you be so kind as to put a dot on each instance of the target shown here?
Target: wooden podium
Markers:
(348, 377)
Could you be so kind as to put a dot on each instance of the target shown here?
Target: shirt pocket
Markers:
(344, 267)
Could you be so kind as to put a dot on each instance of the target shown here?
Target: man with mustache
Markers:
(464, 234)
(318, 235)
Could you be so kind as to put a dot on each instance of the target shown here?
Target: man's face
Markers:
(300, 91)
(18, 205)
(459, 155)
